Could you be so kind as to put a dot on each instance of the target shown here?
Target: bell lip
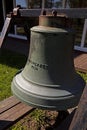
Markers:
(47, 107)
(70, 101)
(59, 92)
(44, 102)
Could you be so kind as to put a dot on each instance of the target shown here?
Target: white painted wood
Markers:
(17, 36)
(84, 33)
(14, 3)
(4, 9)
(64, 3)
(84, 49)
(15, 29)
(4, 31)
(43, 4)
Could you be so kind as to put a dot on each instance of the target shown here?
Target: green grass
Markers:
(10, 63)
(83, 75)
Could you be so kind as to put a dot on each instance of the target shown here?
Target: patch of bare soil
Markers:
(41, 120)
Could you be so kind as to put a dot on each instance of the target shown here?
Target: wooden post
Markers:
(64, 3)
(84, 33)
(43, 4)
(79, 121)
(4, 9)
(5, 30)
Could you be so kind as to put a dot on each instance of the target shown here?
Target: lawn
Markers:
(10, 63)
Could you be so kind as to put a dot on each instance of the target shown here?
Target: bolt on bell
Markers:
(49, 79)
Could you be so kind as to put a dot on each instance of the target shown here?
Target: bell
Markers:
(49, 79)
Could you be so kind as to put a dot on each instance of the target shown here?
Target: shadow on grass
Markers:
(12, 59)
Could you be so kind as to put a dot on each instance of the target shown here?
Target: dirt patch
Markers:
(41, 120)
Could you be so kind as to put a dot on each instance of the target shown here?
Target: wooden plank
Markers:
(79, 121)
(11, 116)
(8, 103)
(80, 62)
(71, 13)
(15, 112)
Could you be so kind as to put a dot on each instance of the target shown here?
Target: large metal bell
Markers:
(49, 79)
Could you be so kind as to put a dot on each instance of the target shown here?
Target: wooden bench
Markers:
(11, 111)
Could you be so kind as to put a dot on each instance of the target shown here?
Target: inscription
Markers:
(36, 66)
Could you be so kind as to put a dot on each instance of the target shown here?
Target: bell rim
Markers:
(44, 102)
